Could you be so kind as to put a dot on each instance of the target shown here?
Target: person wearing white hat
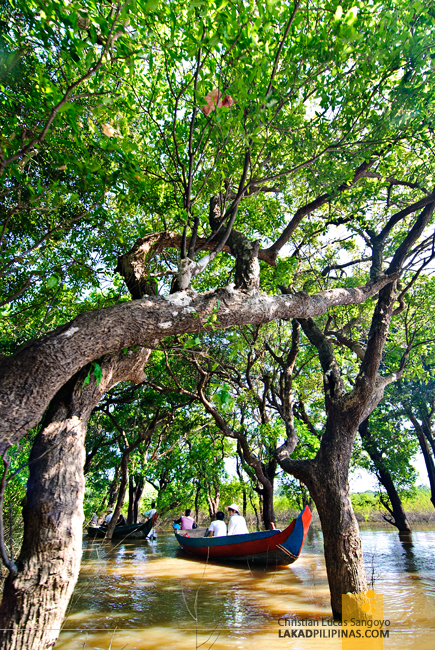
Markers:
(237, 524)
(109, 516)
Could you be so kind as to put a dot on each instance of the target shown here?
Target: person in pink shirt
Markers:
(187, 522)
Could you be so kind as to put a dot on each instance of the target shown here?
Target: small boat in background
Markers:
(134, 531)
(271, 547)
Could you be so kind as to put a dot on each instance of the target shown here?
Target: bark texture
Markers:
(35, 600)
(326, 477)
(31, 377)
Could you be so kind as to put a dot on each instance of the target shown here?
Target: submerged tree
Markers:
(53, 512)
(251, 127)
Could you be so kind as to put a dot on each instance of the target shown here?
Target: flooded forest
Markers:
(217, 244)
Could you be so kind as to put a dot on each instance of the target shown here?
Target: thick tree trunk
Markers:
(329, 486)
(35, 600)
(326, 478)
(341, 537)
(327, 475)
(396, 510)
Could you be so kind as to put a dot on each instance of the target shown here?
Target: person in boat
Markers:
(237, 524)
(218, 527)
(109, 516)
(152, 511)
(149, 514)
(121, 521)
(186, 522)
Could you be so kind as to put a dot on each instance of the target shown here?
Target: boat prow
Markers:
(271, 547)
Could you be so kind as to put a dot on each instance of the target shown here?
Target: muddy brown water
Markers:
(134, 595)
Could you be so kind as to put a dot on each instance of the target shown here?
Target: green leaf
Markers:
(98, 373)
(152, 5)
(88, 377)
(65, 107)
(53, 281)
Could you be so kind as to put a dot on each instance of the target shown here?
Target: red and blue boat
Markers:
(272, 547)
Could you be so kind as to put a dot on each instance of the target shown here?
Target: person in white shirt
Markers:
(109, 516)
(217, 527)
(149, 514)
(237, 524)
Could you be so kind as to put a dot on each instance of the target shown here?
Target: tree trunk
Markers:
(255, 511)
(429, 435)
(131, 495)
(113, 490)
(268, 511)
(198, 490)
(428, 459)
(213, 499)
(121, 496)
(342, 543)
(242, 483)
(326, 478)
(396, 511)
(245, 500)
(329, 486)
(35, 600)
(135, 491)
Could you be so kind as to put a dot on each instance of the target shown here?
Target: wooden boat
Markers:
(132, 531)
(273, 547)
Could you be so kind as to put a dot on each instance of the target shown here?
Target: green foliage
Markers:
(96, 369)
(368, 504)
(15, 493)
(104, 140)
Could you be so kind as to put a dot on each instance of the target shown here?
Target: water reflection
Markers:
(157, 597)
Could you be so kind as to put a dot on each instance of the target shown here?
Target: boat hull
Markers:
(134, 531)
(270, 547)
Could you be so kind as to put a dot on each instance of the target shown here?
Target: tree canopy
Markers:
(171, 169)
